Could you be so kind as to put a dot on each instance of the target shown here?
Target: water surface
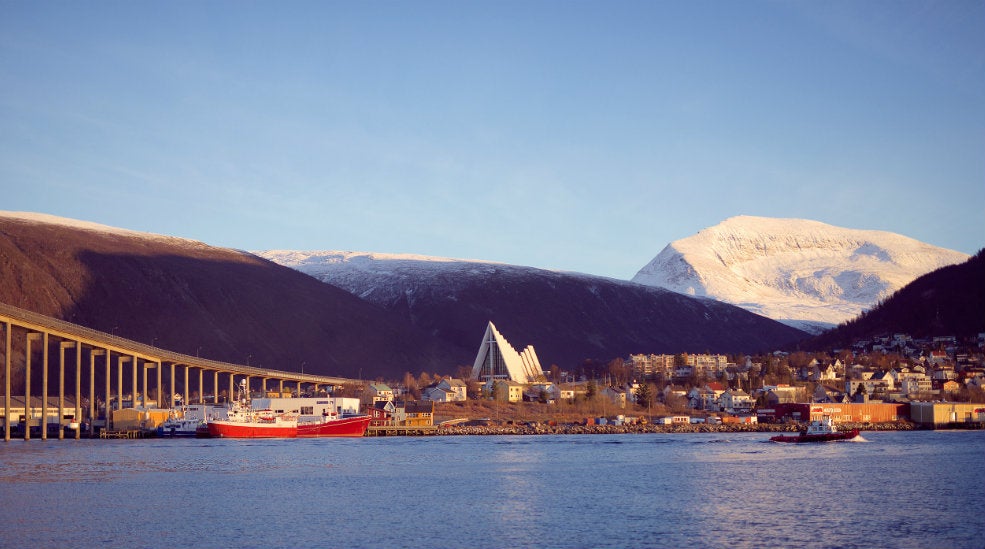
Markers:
(892, 489)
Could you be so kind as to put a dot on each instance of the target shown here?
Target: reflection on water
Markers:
(658, 490)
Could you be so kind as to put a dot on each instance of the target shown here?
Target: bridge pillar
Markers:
(6, 383)
(78, 389)
(185, 399)
(92, 388)
(133, 384)
(263, 387)
(280, 387)
(28, 409)
(171, 387)
(215, 386)
(160, 384)
(44, 386)
(120, 360)
(143, 388)
(109, 392)
(201, 385)
(231, 395)
(61, 385)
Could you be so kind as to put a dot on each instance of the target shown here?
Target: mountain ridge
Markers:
(568, 317)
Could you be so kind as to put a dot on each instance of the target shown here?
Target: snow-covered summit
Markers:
(802, 272)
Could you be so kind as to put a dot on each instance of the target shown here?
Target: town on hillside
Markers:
(877, 381)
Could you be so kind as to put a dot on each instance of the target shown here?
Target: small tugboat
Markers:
(822, 430)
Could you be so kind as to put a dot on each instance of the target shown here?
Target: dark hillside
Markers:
(948, 301)
(218, 303)
(567, 317)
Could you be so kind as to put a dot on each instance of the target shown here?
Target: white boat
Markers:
(179, 427)
(188, 421)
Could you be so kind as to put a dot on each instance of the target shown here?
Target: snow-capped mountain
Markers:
(804, 273)
(568, 317)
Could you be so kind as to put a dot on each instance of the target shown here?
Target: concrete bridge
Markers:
(106, 350)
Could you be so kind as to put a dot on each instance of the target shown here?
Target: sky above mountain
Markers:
(580, 136)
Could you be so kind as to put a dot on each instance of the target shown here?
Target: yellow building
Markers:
(134, 418)
(509, 391)
(414, 413)
(943, 413)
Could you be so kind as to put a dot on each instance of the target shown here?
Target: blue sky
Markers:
(571, 135)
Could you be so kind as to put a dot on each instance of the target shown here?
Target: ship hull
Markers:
(229, 429)
(345, 427)
(827, 437)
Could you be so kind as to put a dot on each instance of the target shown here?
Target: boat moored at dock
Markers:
(290, 417)
(190, 421)
(330, 426)
(245, 421)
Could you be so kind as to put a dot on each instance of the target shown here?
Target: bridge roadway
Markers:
(41, 328)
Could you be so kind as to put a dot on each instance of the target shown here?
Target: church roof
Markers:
(498, 357)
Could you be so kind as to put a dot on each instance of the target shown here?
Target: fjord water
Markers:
(892, 489)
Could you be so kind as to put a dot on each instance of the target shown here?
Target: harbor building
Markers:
(939, 414)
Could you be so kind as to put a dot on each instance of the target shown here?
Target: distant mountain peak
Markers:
(802, 272)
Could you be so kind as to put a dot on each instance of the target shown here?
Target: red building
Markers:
(381, 413)
(869, 412)
(778, 413)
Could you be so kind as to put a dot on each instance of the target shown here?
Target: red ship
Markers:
(346, 426)
(280, 418)
(245, 422)
(818, 431)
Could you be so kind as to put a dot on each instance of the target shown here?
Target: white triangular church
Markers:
(497, 358)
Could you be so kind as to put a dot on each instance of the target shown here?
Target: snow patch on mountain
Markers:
(47, 219)
(382, 276)
(805, 273)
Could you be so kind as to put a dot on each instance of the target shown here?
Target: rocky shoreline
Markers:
(609, 429)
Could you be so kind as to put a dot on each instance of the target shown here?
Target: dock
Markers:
(400, 430)
(123, 433)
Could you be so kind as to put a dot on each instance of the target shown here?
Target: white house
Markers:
(457, 387)
(615, 394)
(381, 392)
(735, 401)
(446, 390)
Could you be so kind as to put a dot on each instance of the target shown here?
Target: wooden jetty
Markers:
(400, 430)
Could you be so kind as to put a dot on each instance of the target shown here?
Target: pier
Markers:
(90, 351)
(400, 430)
